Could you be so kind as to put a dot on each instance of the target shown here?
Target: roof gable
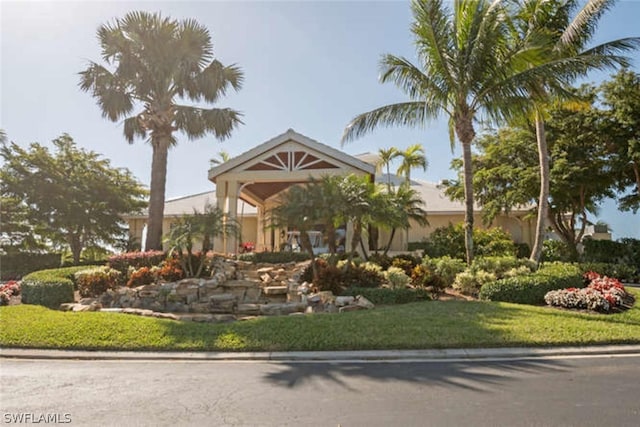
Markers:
(288, 152)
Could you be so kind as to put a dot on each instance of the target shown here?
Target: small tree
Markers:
(71, 197)
(203, 227)
(299, 208)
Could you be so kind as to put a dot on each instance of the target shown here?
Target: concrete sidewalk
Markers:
(330, 356)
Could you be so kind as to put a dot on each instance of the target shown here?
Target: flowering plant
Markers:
(9, 289)
(602, 294)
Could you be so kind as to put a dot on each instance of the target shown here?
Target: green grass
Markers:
(423, 325)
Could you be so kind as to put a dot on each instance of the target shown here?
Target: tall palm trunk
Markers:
(156, 196)
(355, 240)
(468, 199)
(543, 201)
(466, 134)
(305, 243)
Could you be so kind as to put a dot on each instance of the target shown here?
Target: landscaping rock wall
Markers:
(235, 290)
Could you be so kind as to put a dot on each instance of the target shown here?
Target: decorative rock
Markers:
(281, 309)
(224, 318)
(211, 284)
(264, 270)
(249, 309)
(67, 306)
(304, 288)
(199, 307)
(363, 302)
(323, 296)
(275, 290)
(266, 278)
(223, 303)
(165, 316)
(87, 301)
(252, 295)
(342, 301)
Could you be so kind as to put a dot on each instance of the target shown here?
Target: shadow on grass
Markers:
(480, 376)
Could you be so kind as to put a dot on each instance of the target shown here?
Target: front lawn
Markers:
(423, 325)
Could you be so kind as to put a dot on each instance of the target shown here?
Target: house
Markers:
(247, 186)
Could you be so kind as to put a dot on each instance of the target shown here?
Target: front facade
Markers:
(247, 187)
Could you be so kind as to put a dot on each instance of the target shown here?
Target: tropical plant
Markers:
(298, 208)
(622, 97)
(202, 227)
(404, 205)
(385, 157)
(465, 69)
(151, 63)
(413, 157)
(223, 157)
(562, 30)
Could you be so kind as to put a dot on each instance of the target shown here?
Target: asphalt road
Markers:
(577, 391)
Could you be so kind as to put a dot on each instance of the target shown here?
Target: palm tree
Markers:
(224, 157)
(562, 29)
(405, 205)
(203, 226)
(359, 200)
(385, 157)
(298, 208)
(151, 62)
(412, 157)
(465, 61)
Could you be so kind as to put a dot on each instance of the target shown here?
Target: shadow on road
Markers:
(470, 375)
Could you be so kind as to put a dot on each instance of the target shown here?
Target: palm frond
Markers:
(412, 114)
(197, 122)
(132, 128)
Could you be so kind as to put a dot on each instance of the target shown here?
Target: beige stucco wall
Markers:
(136, 225)
(522, 231)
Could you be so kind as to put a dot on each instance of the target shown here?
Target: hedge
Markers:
(274, 257)
(623, 272)
(389, 296)
(49, 288)
(531, 288)
(15, 266)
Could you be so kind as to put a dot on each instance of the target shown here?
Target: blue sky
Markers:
(308, 65)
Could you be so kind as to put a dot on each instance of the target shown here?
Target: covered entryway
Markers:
(260, 174)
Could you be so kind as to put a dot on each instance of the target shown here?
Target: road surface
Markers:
(574, 391)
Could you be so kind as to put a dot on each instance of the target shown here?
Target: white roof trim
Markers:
(282, 138)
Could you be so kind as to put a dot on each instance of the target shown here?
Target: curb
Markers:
(330, 356)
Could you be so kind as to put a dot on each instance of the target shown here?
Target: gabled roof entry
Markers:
(301, 160)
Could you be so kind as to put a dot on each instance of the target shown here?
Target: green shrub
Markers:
(445, 267)
(470, 281)
(606, 251)
(555, 250)
(396, 277)
(449, 241)
(389, 296)
(425, 277)
(336, 279)
(15, 266)
(49, 288)
(493, 242)
(274, 257)
(382, 260)
(405, 265)
(522, 250)
(502, 264)
(531, 288)
(93, 282)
